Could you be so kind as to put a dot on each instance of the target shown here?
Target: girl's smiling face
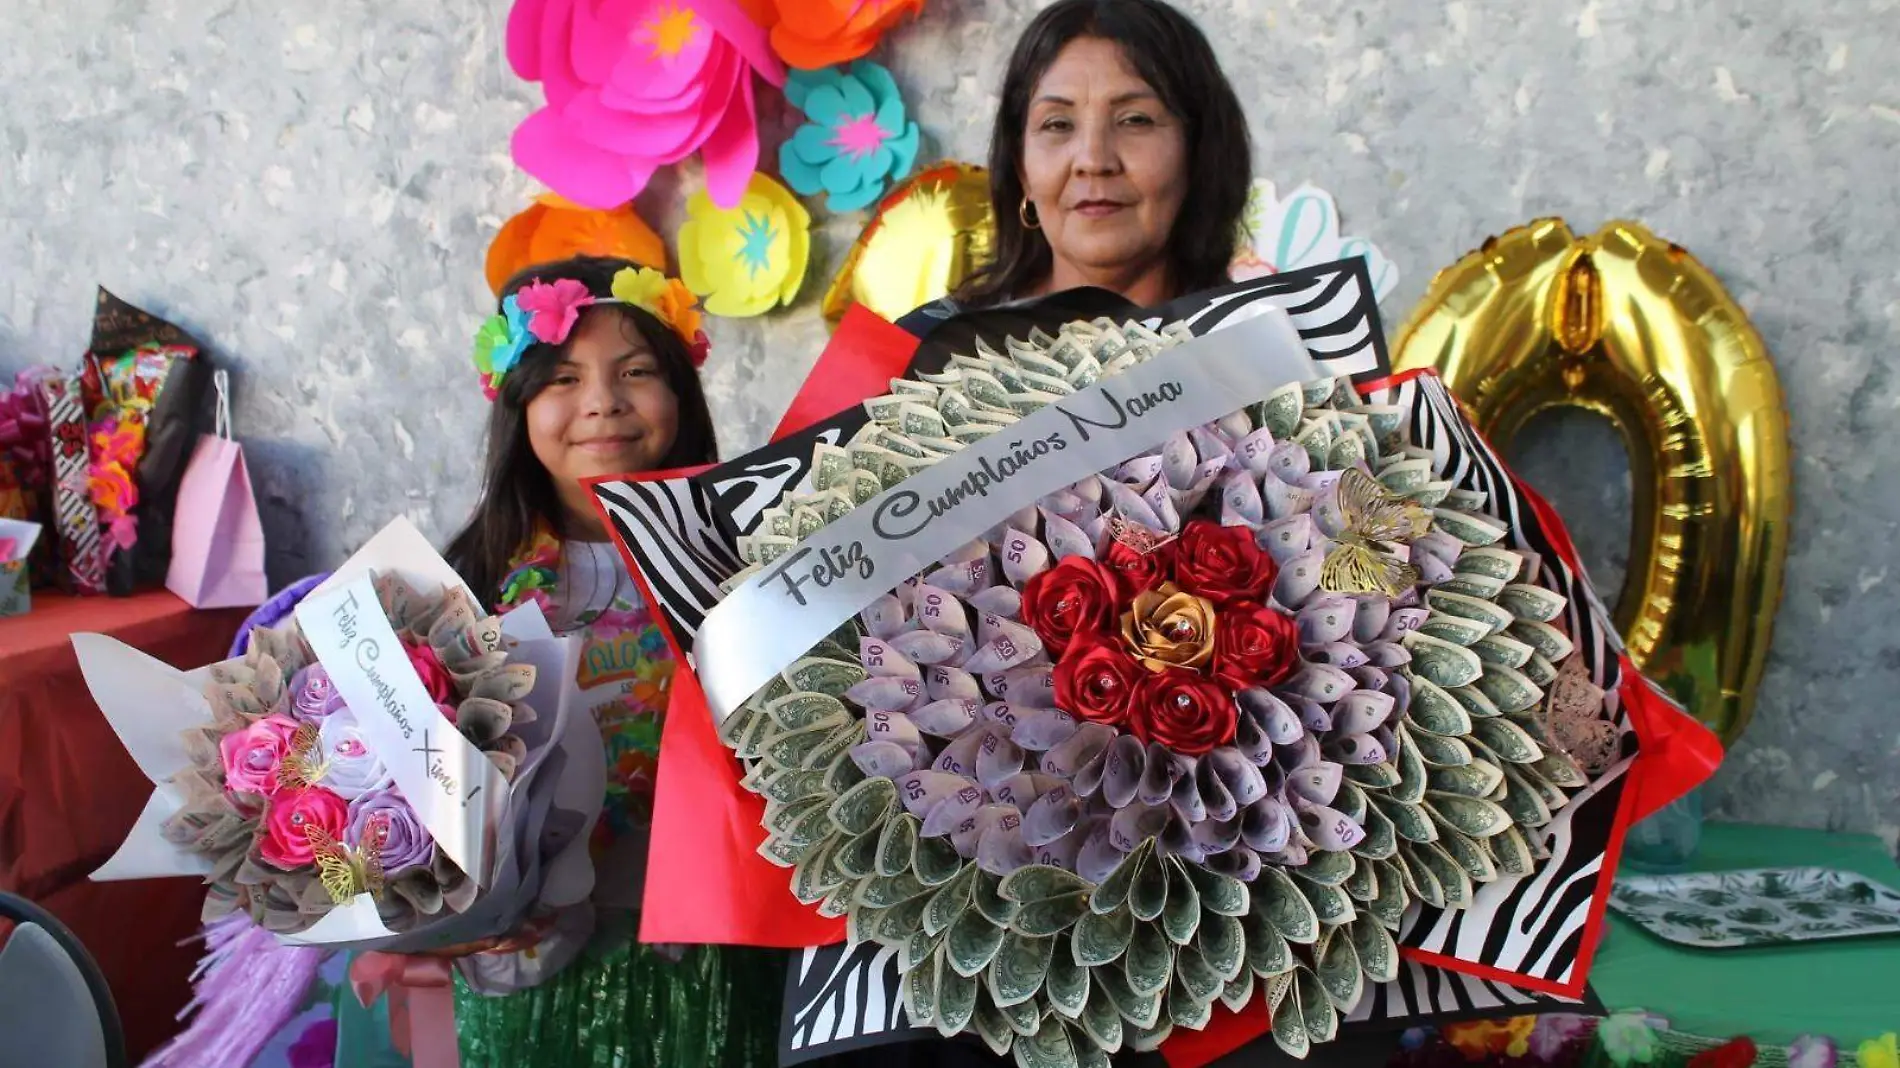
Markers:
(607, 410)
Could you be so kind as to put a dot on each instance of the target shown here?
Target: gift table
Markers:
(1847, 989)
(1673, 1006)
(69, 793)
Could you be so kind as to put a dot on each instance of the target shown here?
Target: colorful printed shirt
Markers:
(624, 675)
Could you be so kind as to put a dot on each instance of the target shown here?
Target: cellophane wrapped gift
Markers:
(380, 771)
(142, 390)
(1152, 680)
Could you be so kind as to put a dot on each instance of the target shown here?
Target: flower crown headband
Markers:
(547, 311)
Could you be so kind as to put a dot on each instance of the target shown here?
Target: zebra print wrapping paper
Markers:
(1534, 932)
(849, 998)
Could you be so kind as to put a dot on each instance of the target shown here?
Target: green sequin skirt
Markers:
(632, 1008)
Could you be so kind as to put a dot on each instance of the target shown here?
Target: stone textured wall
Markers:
(310, 189)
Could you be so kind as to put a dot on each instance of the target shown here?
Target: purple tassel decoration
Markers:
(246, 988)
(247, 985)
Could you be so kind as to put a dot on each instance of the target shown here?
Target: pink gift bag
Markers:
(217, 540)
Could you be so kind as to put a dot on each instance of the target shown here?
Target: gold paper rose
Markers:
(1169, 628)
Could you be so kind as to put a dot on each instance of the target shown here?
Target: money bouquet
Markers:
(383, 764)
(1111, 681)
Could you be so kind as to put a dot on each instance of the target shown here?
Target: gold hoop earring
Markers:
(1022, 213)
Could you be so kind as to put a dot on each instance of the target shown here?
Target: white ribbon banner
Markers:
(458, 794)
(765, 625)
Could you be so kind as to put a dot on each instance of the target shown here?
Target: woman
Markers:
(1119, 160)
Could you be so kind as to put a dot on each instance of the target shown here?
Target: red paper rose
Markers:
(1096, 680)
(435, 677)
(1254, 646)
(286, 839)
(1138, 571)
(1221, 563)
(1182, 710)
(1077, 596)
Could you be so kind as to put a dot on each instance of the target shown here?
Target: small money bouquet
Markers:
(383, 764)
(1129, 678)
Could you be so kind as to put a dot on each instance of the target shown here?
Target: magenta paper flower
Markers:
(553, 307)
(635, 85)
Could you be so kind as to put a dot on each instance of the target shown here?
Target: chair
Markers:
(55, 1008)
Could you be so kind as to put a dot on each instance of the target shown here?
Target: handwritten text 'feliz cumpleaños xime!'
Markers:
(990, 463)
(367, 651)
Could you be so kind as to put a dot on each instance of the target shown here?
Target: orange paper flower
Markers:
(554, 228)
(810, 34)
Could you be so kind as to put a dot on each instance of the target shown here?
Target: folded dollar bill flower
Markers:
(1206, 723)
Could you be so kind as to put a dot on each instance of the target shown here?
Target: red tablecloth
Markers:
(69, 792)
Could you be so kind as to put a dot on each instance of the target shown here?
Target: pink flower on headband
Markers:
(553, 307)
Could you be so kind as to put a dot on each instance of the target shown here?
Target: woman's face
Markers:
(607, 411)
(1104, 163)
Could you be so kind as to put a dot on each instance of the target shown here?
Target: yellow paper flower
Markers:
(748, 259)
(670, 301)
(1882, 1052)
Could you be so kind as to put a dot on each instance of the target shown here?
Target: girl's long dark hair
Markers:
(1172, 55)
(517, 492)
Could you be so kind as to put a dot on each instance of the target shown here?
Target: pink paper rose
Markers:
(251, 756)
(288, 820)
(636, 85)
(435, 676)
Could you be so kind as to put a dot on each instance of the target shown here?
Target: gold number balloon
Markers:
(926, 237)
(1635, 329)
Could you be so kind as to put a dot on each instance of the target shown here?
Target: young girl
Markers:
(591, 365)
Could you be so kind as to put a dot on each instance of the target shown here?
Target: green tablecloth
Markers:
(1848, 989)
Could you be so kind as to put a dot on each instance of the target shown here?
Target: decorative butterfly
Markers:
(1136, 536)
(1572, 718)
(1375, 518)
(344, 872)
(304, 764)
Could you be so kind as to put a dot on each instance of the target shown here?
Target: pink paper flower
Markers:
(553, 308)
(636, 85)
(251, 755)
(289, 819)
(435, 677)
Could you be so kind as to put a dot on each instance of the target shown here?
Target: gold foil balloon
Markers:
(1635, 329)
(927, 236)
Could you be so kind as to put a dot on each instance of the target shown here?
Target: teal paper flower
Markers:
(499, 345)
(856, 141)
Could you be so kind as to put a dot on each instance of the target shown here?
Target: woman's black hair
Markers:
(517, 492)
(1172, 55)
